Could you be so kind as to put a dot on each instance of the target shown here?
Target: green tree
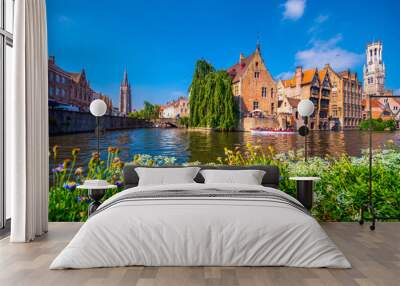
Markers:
(211, 99)
(149, 111)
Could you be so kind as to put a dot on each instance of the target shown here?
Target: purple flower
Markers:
(119, 184)
(88, 201)
(79, 198)
(59, 169)
(70, 186)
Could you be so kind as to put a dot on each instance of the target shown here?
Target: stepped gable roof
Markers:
(76, 76)
(308, 76)
(322, 74)
(236, 71)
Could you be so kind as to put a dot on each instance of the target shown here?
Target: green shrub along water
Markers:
(339, 195)
(378, 124)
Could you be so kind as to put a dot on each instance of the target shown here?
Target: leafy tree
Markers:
(149, 111)
(211, 99)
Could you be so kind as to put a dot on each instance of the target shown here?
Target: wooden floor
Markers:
(375, 257)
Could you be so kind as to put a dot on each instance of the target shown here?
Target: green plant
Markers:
(339, 195)
(378, 124)
(211, 99)
(149, 111)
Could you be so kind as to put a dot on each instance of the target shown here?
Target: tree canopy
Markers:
(149, 111)
(211, 98)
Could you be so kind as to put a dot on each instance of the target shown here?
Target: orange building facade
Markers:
(253, 86)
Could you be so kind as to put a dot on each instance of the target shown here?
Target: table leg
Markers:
(95, 196)
(305, 193)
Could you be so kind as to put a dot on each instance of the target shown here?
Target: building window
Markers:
(255, 105)
(256, 74)
(263, 92)
(272, 92)
(272, 108)
(57, 78)
(57, 91)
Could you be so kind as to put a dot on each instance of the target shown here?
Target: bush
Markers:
(378, 124)
(339, 195)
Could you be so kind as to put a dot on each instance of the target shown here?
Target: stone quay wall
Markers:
(68, 122)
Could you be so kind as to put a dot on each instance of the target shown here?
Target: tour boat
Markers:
(268, 131)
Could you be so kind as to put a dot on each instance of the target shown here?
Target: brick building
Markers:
(253, 86)
(314, 85)
(106, 99)
(69, 88)
(345, 108)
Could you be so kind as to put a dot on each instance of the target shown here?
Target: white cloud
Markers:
(324, 52)
(316, 27)
(294, 9)
(284, 75)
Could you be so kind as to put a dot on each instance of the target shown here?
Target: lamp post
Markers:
(98, 108)
(305, 109)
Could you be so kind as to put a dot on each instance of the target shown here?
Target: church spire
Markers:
(125, 81)
(125, 97)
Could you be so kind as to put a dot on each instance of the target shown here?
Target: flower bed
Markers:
(340, 194)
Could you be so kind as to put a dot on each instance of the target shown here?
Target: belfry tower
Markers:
(125, 96)
(374, 70)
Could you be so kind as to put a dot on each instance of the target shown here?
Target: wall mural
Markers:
(184, 88)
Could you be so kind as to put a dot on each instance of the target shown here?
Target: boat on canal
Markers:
(269, 131)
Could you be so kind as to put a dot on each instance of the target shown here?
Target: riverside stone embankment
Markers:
(68, 122)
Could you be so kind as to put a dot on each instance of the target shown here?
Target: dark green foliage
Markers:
(211, 99)
(184, 121)
(149, 111)
(378, 124)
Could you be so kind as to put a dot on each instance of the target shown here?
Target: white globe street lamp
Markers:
(98, 108)
(305, 109)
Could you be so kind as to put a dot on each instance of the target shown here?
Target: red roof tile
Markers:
(237, 70)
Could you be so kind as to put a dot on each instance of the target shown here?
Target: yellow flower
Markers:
(79, 171)
(66, 163)
(55, 150)
(95, 156)
(75, 151)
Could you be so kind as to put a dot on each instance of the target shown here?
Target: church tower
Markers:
(374, 70)
(125, 96)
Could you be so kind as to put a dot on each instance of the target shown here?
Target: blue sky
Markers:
(160, 41)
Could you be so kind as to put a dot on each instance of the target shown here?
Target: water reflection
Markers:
(206, 146)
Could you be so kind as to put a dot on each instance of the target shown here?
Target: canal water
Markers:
(206, 146)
